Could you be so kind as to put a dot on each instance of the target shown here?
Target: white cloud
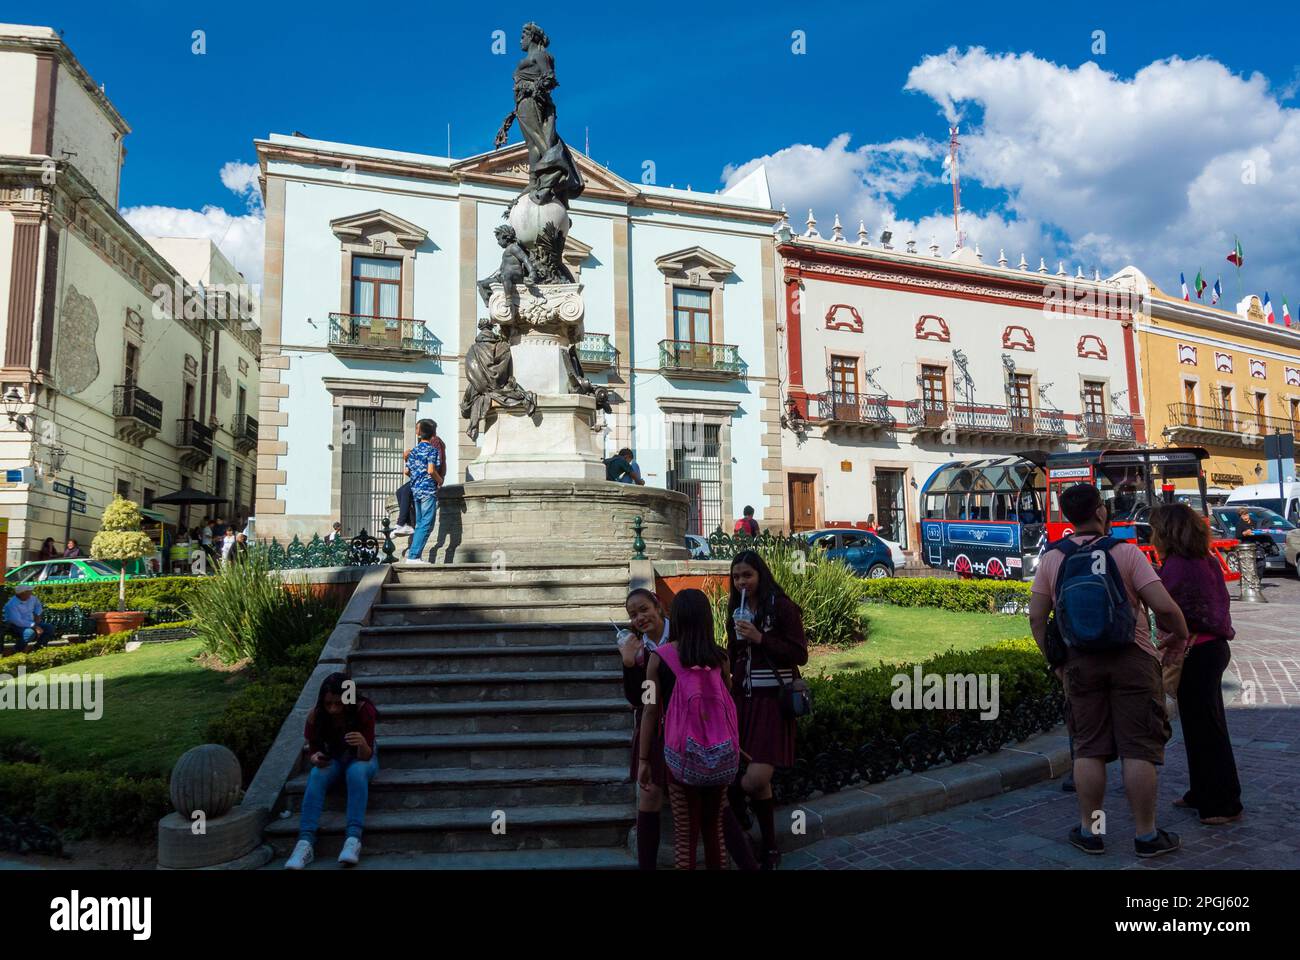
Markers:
(239, 237)
(1160, 169)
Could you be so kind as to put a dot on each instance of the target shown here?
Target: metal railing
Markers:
(132, 401)
(1100, 426)
(685, 356)
(1222, 420)
(595, 350)
(244, 429)
(985, 418)
(855, 408)
(195, 436)
(383, 333)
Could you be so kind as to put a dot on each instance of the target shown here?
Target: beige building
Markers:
(128, 364)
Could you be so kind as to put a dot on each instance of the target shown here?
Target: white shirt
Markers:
(207, 535)
(22, 613)
(227, 545)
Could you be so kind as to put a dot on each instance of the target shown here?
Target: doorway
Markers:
(891, 505)
(803, 502)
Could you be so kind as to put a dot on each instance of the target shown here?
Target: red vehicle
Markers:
(1132, 482)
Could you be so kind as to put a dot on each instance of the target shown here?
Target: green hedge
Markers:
(47, 657)
(853, 708)
(143, 594)
(84, 803)
(970, 596)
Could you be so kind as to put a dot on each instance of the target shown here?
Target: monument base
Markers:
(557, 442)
(530, 520)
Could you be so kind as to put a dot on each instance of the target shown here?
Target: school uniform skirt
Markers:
(766, 735)
(658, 769)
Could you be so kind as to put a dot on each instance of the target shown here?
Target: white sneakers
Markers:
(301, 856)
(416, 560)
(405, 530)
(351, 852)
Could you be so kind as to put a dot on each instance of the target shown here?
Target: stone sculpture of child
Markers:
(515, 265)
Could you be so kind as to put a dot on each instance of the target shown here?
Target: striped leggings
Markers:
(696, 810)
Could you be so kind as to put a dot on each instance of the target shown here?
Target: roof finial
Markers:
(934, 246)
(1023, 264)
(978, 256)
(911, 242)
(1096, 274)
(1042, 265)
(811, 233)
(1060, 268)
(1002, 258)
(863, 240)
(1079, 273)
(837, 231)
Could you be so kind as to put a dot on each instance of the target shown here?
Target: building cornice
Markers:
(1197, 315)
(12, 39)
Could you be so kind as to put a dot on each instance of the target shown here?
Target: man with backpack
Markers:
(1099, 642)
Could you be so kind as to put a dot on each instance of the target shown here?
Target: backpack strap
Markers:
(668, 655)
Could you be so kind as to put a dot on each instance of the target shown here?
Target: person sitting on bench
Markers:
(23, 618)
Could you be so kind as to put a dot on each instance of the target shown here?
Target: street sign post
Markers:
(76, 501)
(1280, 447)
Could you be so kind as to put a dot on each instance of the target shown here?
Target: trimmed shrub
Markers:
(969, 596)
(145, 593)
(48, 657)
(84, 803)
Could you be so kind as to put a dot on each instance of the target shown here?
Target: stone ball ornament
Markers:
(206, 779)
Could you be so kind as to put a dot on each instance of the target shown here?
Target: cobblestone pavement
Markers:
(1026, 828)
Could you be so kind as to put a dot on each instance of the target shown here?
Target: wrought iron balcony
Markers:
(855, 411)
(138, 413)
(193, 442)
(1105, 430)
(244, 429)
(596, 352)
(382, 338)
(1189, 423)
(986, 420)
(701, 361)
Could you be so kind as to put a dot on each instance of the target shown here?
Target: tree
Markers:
(120, 538)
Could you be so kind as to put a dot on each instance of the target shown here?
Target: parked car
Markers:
(1291, 549)
(866, 554)
(1265, 527)
(698, 546)
(63, 571)
(1282, 499)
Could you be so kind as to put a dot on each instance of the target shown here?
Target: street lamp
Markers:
(13, 400)
(56, 456)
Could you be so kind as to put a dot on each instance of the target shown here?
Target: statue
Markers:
(580, 383)
(552, 174)
(489, 376)
(515, 266)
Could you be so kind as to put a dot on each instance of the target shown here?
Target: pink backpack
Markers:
(701, 738)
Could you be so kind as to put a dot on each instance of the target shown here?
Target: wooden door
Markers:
(803, 502)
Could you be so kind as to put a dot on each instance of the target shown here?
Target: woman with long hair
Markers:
(1195, 581)
(340, 737)
(649, 630)
(766, 645)
(48, 550)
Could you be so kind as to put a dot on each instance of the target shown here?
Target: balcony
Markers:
(382, 338)
(244, 429)
(862, 414)
(1104, 430)
(193, 443)
(1196, 425)
(138, 414)
(700, 361)
(596, 352)
(985, 421)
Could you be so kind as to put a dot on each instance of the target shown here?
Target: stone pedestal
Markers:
(558, 442)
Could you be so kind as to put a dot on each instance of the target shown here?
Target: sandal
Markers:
(1219, 821)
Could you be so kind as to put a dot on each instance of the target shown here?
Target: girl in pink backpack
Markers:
(690, 679)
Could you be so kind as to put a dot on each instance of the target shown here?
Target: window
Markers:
(1094, 408)
(1225, 399)
(239, 487)
(132, 365)
(1022, 394)
(241, 401)
(695, 469)
(148, 498)
(223, 475)
(371, 467)
(934, 386)
(1261, 411)
(844, 379)
(124, 489)
(692, 319)
(1294, 404)
(376, 286)
(187, 404)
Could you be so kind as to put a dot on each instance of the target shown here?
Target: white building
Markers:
(901, 360)
(369, 304)
(120, 372)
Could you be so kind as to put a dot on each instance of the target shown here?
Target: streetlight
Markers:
(13, 401)
(56, 456)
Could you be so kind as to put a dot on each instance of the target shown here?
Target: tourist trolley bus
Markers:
(993, 517)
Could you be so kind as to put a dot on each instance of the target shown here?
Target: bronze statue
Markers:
(515, 265)
(489, 378)
(552, 174)
(581, 384)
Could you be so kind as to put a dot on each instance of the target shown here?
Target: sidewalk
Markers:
(1026, 828)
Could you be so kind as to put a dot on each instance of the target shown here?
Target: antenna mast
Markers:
(953, 143)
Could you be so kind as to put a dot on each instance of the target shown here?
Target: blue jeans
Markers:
(25, 635)
(405, 505)
(358, 773)
(425, 511)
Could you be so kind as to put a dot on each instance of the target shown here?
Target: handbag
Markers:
(795, 697)
(1057, 652)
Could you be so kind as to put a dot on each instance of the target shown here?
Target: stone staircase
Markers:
(499, 693)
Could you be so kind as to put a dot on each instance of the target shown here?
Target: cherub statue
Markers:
(515, 265)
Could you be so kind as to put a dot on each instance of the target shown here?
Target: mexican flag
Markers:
(1216, 293)
(1269, 316)
(1183, 280)
(1236, 258)
(1200, 284)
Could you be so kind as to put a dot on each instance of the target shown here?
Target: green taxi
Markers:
(78, 570)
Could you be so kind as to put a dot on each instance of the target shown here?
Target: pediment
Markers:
(695, 264)
(509, 166)
(365, 228)
(575, 255)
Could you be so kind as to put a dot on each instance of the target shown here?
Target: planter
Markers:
(114, 621)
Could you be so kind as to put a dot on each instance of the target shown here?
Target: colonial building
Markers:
(1218, 379)
(900, 360)
(122, 374)
(370, 302)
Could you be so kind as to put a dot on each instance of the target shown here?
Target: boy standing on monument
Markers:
(425, 466)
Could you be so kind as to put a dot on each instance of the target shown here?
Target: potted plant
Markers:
(121, 539)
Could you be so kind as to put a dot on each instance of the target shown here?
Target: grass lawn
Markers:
(911, 634)
(156, 703)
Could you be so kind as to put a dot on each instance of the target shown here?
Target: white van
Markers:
(1281, 498)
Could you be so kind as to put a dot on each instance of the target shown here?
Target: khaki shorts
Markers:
(1115, 705)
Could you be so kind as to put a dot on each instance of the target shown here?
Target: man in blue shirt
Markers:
(23, 618)
(425, 466)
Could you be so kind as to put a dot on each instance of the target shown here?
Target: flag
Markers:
(1286, 312)
(1216, 293)
(1183, 280)
(1200, 284)
(1268, 309)
(1236, 258)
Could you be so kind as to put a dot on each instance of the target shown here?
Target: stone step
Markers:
(458, 574)
(579, 858)
(506, 716)
(575, 633)
(453, 660)
(423, 788)
(459, 830)
(491, 687)
(508, 611)
(605, 592)
(487, 750)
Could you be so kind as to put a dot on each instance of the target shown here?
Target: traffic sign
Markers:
(79, 507)
(76, 494)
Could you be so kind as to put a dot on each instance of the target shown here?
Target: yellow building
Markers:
(1218, 379)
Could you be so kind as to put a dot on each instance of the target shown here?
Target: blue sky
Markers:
(1064, 159)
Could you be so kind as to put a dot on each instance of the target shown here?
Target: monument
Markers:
(538, 480)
